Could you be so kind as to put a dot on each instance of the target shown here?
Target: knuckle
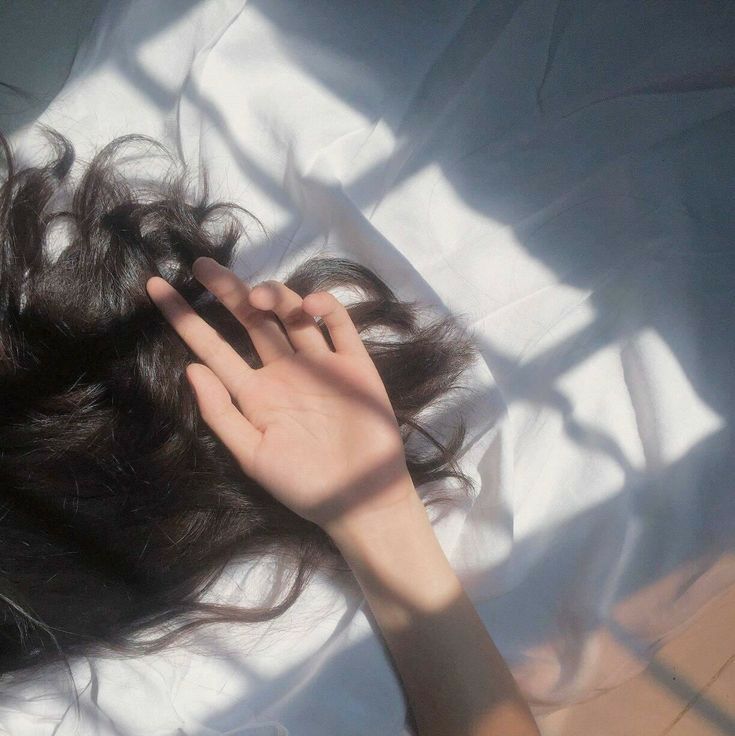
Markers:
(213, 414)
(252, 318)
(293, 317)
(230, 292)
(212, 349)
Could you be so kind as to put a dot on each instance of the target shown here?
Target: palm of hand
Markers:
(330, 441)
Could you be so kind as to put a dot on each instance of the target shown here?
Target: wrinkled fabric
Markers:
(560, 175)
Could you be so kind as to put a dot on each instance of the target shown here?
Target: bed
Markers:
(561, 174)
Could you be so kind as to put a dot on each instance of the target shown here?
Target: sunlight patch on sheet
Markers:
(659, 372)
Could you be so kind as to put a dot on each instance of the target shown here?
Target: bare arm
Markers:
(455, 679)
(316, 428)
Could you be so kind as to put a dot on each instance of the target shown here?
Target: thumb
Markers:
(224, 419)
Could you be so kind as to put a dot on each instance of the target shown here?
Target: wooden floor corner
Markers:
(687, 690)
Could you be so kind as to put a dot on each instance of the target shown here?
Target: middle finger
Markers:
(302, 329)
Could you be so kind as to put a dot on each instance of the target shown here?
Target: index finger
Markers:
(203, 339)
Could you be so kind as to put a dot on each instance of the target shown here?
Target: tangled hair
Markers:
(119, 508)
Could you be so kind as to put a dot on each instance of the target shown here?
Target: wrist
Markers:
(398, 561)
(356, 529)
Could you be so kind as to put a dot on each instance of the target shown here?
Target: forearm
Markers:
(456, 681)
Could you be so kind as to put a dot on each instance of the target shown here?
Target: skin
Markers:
(316, 428)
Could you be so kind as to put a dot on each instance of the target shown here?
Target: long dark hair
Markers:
(118, 506)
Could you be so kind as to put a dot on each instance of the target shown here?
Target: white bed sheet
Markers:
(560, 174)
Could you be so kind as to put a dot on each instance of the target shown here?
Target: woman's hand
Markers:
(314, 427)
